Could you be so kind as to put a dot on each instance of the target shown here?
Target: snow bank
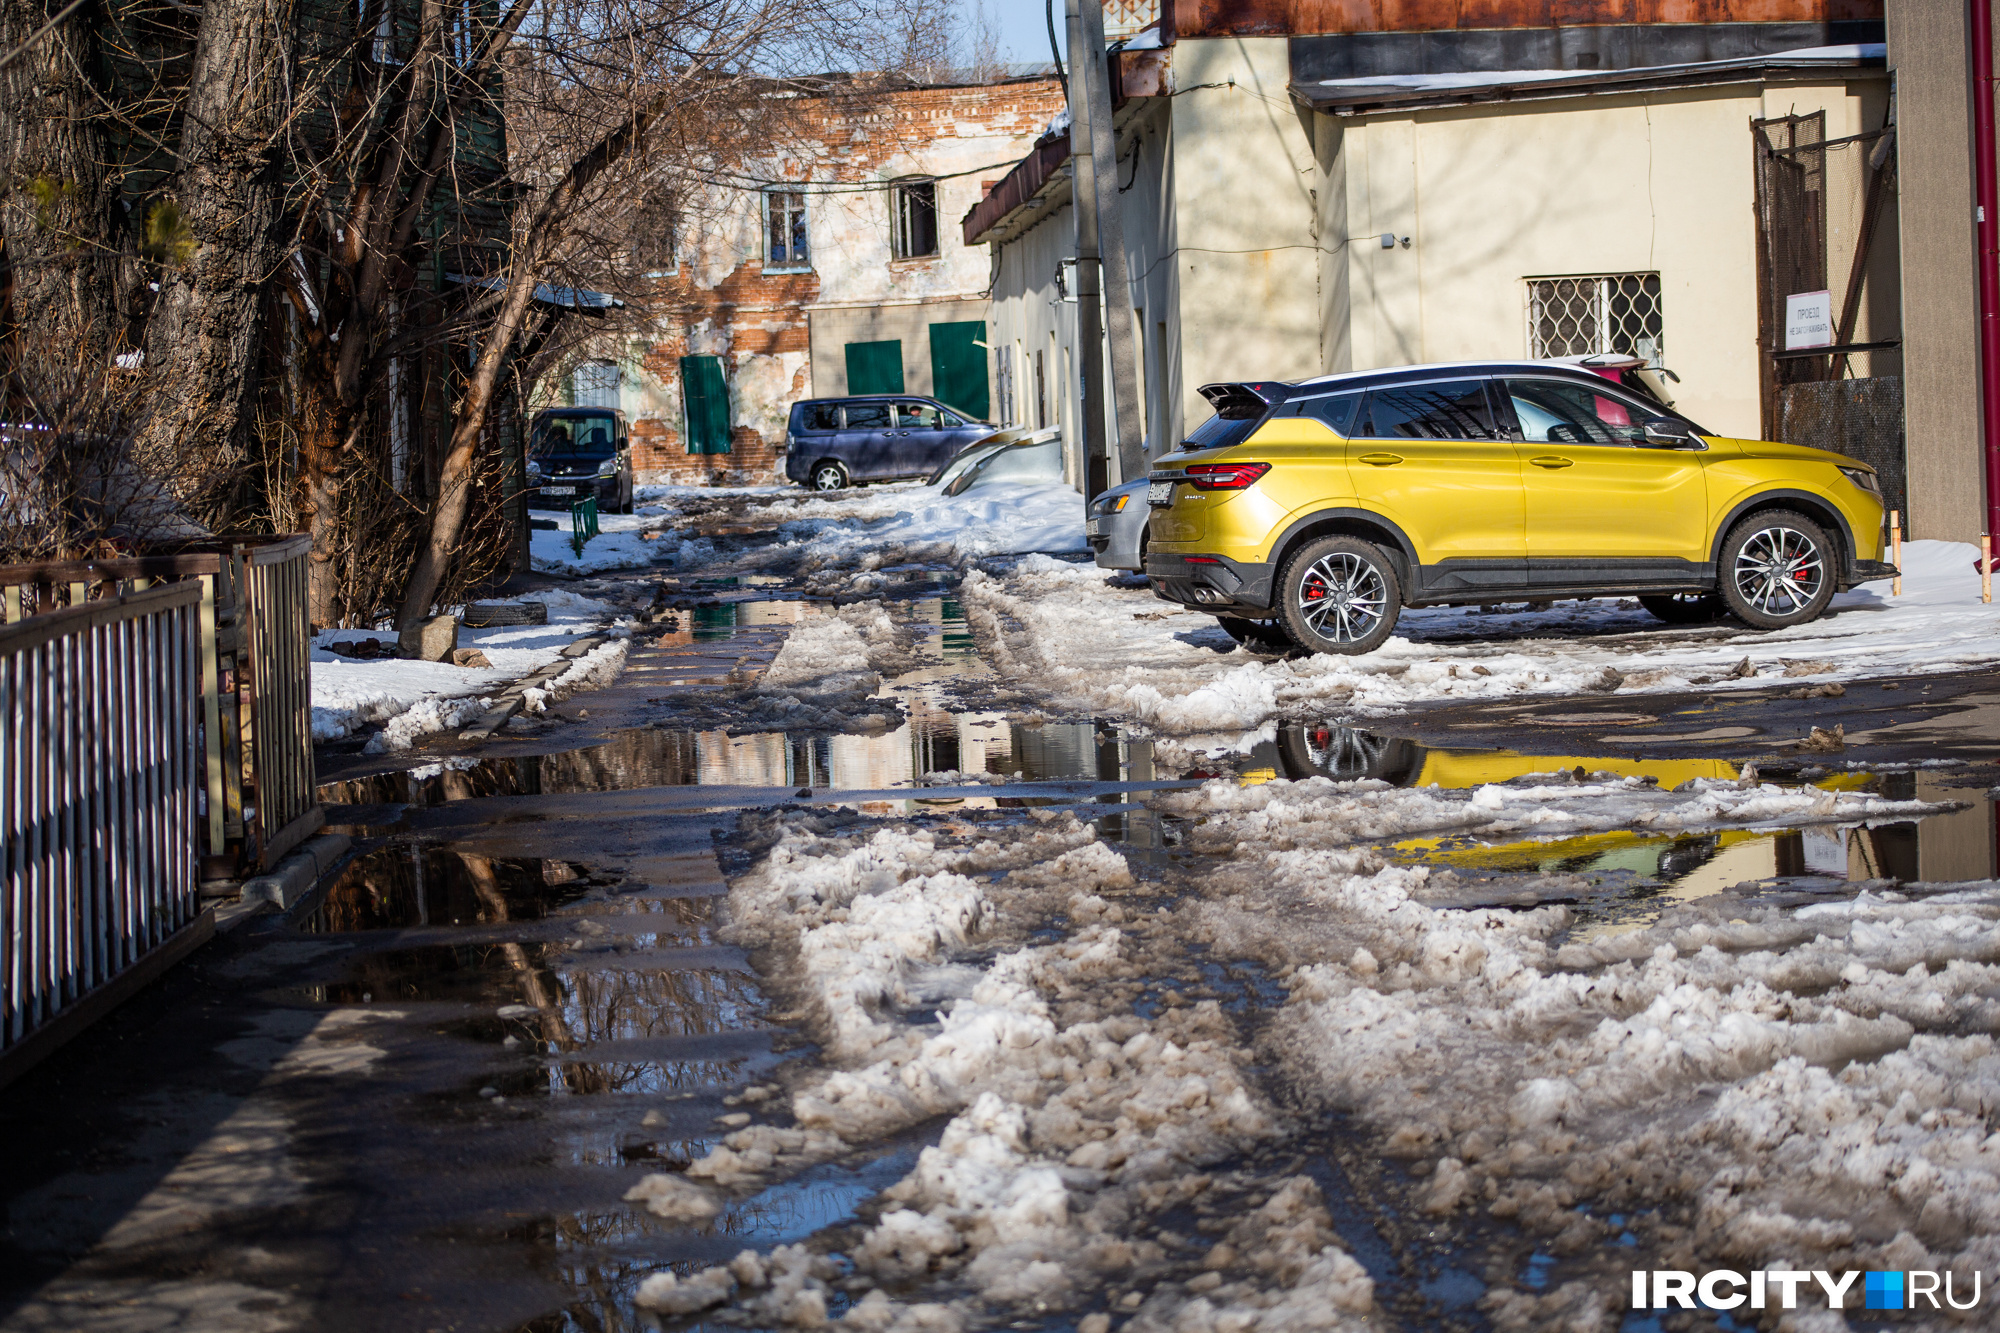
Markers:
(624, 541)
(1071, 1118)
(1771, 1086)
(1093, 648)
(998, 519)
(349, 694)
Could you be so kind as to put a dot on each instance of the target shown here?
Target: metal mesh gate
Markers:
(1826, 222)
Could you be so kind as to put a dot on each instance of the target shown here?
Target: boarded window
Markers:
(785, 230)
(958, 367)
(875, 367)
(706, 398)
(913, 221)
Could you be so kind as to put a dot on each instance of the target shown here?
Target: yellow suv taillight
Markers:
(1223, 476)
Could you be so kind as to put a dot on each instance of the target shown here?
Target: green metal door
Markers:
(707, 400)
(958, 367)
(875, 367)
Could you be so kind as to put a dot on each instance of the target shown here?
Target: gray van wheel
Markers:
(1339, 595)
(828, 475)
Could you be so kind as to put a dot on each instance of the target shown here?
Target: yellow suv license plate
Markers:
(1160, 494)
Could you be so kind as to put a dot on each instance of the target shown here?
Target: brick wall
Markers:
(660, 458)
(750, 315)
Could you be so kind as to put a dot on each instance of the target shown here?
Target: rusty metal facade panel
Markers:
(99, 786)
(1277, 18)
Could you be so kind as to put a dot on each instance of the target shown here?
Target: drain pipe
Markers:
(1986, 201)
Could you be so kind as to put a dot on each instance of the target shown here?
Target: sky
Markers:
(1023, 28)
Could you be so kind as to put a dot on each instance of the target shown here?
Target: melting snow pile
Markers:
(1768, 1086)
(922, 522)
(1751, 1082)
(1072, 1120)
(1092, 648)
(416, 698)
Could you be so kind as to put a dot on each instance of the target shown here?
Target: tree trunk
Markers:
(204, 334)
(455, 476)
(55, 197)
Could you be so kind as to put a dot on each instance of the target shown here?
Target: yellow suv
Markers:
(1312, 513)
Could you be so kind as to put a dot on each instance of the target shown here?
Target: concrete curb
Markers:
(298, 874)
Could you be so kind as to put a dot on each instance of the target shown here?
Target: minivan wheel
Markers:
(1684, 608)
(1259, 636)
(829, 476)
(1339, 595)
(1776, 569)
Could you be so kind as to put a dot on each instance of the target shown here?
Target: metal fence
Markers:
(252, 647)
(100, 778)
(1826, 212)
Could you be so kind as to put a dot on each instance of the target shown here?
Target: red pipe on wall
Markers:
(1986, 213)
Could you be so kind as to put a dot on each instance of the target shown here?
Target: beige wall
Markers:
(1927, 52)
(1490, 196)
(1244, 215)
(834, 328)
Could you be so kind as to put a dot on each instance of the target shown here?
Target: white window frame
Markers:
(792, 263)
(1596, 291)
(900, 193)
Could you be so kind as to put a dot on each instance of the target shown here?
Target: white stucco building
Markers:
(1299, 205)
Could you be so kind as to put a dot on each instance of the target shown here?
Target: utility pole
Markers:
(1116, 282)
(1089, 305)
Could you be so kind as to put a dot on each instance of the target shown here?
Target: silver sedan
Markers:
(1115, 526)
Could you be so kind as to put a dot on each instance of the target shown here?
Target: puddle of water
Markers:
(400, 886)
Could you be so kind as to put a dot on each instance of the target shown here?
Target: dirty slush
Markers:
(923, 937)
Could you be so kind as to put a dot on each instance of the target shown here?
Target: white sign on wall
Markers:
(1808, 320)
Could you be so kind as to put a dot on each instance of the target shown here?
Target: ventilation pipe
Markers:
(1986, 213)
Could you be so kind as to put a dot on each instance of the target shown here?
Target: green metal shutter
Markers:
(958, 367)
(875, 367)
(707, 400)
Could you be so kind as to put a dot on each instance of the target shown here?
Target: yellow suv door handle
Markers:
(1551, 461)
(1381, 460)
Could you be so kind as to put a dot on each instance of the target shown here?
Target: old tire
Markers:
(1684, 608)
(1339, 595)
(1259, 636)
(1777, 568)
(829, 475)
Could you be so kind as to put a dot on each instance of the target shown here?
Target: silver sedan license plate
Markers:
(558, 490)
(1160, 494)
(1091, 528)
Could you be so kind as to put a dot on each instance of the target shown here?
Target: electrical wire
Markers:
(1049, 13)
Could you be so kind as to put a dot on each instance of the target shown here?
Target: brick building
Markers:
(834, 268)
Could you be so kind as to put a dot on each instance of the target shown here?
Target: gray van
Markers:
(832, 443)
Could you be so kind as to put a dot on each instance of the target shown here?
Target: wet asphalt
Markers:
(415, 1102)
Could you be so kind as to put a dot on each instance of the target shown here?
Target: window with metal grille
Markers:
(1596, 313)
(785, 230)
(913, 231)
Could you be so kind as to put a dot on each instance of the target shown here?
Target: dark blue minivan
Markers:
(832, 443)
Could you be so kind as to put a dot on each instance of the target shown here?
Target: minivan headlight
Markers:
(608, 468)
(1863, 478)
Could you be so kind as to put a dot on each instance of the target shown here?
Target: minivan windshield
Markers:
(1219, 433)
(592, 436)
